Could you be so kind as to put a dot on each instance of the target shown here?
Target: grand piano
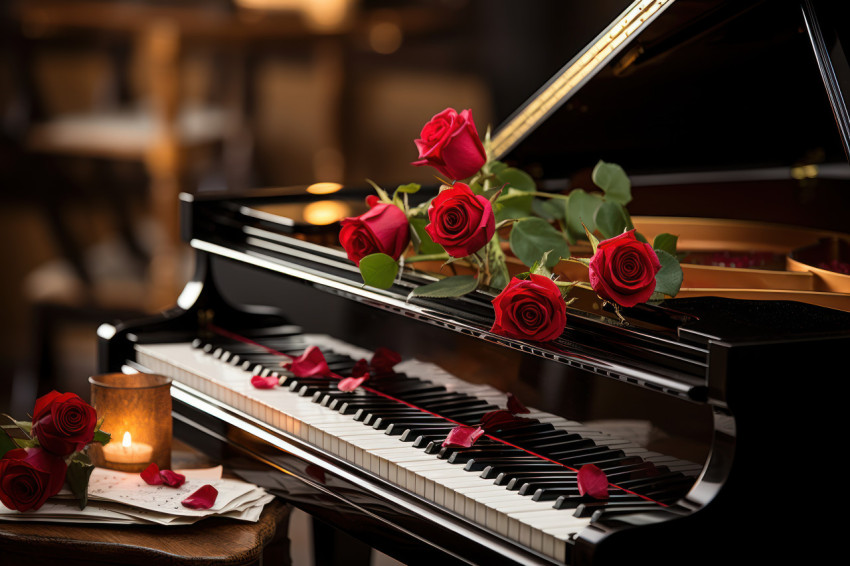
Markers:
(717, 420)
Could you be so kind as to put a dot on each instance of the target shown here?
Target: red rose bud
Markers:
(383, 229)
(63, 423)
(267, 382)
(309, 364)
(28, 476)
(351, 383)
(172, 479)
(450, 144)
(593, 482)
(530, 309)
(460, 221)
(515, 406)
(623, 270)
(203, 498)
(463, 436)
(151, 475)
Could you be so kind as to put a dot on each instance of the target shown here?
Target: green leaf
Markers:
(666, 242)
(77, 476)
(426, 245)
(512, 204)
(594, 243)
(102, 437)
(499, 274)
(611, 178)
(581, 211)
(455, 286)
(531, 238)
(612, 219)
(669, 278)
(378, 270)
(6, 443)
(409, 188)
(548, 209)
(517, 179)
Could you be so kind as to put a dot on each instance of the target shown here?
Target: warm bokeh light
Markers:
(321, 14)
(385, 37)
(323, 188)
(325, 212)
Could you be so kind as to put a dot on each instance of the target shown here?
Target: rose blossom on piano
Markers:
(623, 270)
(450, 144)
(383, 229)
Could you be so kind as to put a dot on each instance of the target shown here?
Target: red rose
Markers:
(63, 423)
(383, 229)
(623, 270)
(28, 476)
(449, 143)
(530, 309)
(460, 221)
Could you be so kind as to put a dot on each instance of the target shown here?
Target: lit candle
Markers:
(128, 452)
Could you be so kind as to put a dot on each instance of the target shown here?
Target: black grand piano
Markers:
(718, 421)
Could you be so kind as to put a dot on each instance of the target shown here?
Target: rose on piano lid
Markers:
(38, 457)
(486, 211)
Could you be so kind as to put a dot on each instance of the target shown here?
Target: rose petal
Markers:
(384, 359)
(268, 382)
(361, 367)
(309, 364)
(203, 498)
(172, 479)
(151, 474)
(515, 406)
(502, 419)
(463, 436)
(593, 482)
(351, 383)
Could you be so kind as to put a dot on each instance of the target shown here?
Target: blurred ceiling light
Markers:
(323, 15)
(385, 37)
(325, 212)
(323, 188)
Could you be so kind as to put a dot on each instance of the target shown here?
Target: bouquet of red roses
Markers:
(480, 195)
(38, 457)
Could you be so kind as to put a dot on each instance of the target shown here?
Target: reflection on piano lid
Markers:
(714, 417)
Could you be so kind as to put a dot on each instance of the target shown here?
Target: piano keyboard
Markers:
(514, 493)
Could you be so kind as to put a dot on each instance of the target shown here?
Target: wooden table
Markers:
(214, 541)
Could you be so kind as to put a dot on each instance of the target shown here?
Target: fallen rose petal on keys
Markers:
(172, 479)
(151, 475)
(268, 382)
(361, 367)
(351, 383)
(593, 482)
(311, 363)
(463, 436)
(515, 406)
(384, 359)
(502, 419)
(203, 498)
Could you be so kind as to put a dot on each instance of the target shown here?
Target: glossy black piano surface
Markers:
(723, 416)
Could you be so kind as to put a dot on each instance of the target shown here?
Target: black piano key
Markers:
(591, 508)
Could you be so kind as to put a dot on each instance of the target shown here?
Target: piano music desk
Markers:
(210, 542)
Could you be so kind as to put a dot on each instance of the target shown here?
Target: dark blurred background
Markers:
(107, 105)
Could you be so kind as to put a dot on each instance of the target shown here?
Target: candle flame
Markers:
(127, 441)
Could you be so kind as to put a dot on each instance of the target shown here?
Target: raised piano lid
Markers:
(697, 86)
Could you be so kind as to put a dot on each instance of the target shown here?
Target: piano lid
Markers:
(693, 85)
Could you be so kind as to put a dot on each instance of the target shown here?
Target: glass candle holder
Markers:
(136, 412)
